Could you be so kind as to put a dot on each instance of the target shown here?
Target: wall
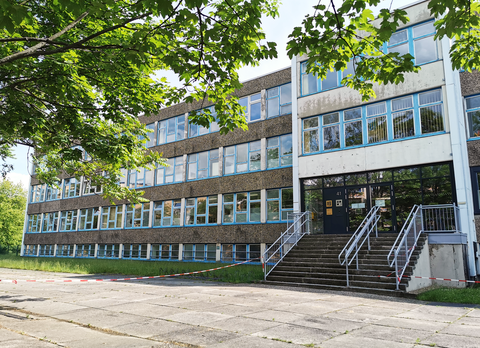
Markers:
(448, 261)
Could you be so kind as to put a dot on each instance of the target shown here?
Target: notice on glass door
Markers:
(380, 202)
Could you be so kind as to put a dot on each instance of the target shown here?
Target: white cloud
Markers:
(16, 178)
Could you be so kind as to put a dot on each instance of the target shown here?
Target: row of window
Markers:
(405, 117)
(417, 40)
(236, 208)
(163, 252)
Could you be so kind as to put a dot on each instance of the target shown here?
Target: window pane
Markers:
(353, 133)
(228, 213)
(398, 37)
(401, 49)
(331, 137)
(376, 109)
(310, 141)
(431, 118)
(255, 111)
(272, 158)
(257, 96)
(273, 213)
(403, 124)
(255, 160)
(309, 84)
(242, 153)
(402, 103)
(330, 81)
(352, 114)
(425, 50)
(271, 194)
(423, 29)
(212, 214)
(273, 107)
(473, 103)
(201, 205)
(330, 118)
(229, 165)
(474, 120)
(286, 94)
(310, 123)
(287, 199)
(286, 145)
(377, 129)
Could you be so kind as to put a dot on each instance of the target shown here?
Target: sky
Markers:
(291, 15)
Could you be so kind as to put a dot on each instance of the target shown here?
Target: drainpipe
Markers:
(295, 139)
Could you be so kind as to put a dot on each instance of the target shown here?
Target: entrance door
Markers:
(358, 207)
(381, 195)
(335, 212)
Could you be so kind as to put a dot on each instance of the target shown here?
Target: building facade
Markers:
(312, 145)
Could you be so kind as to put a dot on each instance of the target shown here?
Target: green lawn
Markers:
(238, 274)
(467, 295)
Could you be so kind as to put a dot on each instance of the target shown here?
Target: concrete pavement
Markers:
(191, 313)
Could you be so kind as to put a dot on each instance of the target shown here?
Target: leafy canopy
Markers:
(82, 71)
(334, 35)
(13, 201)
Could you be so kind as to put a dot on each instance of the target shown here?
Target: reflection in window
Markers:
(279, 151)
(253, 107)
(473, 115)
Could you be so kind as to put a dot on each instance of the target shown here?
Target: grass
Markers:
(238, 274)
(469, 295)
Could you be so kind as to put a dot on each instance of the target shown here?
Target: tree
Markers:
(347, 37)
(80, 72)
(13, 201)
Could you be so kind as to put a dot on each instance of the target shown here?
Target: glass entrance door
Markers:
(381, 195)
(358, 207)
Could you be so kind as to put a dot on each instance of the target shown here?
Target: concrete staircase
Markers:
(314, 263)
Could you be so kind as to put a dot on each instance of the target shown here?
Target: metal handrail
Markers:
(355, 243)
(431, 218)
(274, 254)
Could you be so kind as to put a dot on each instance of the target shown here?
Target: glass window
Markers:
(196, 130)
(241, 207)
(171, 174)
(475, 173)
(311, 139)
(309, 81)
(425, 46)
(403, 122)
(203, 165)
(279, 204)
(134, 251)
(65, 250)
(150, 136)
(30, 250)
(242, 158)
(201, 210)
(253, 107)
(85, 250)
(89, 189)
(279, 151)
(112, 217)
(37, 193)
(34, 222)
(431, 111)
(71, 188)
(68, 220)
(170, 130)
(137, 215)
(377, 126)
(353, 127)
(50, 222)
(138, 178)
(46, 250)
(279, 100)
(108, 251)
(167, 213)
(89, 219)
(53, 193)
(331, 132)
(473, 115)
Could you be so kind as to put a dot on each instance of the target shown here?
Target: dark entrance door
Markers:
(382, 196)
(335, 211)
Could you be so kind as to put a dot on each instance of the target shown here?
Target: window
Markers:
(30, 250)
(253, 107)
(242, 158)
(170, 130)
(279, 151)
(472, 105)
(46, 250)
(65, 250)
(279, 100)
(135, 251)
(475, 173)
(53, 193)
(425, 47)
(241, 207)
(167, 213)
(196, 130)
(50, 222)
(71, 188)
(88, 189)
(311, 84)
(164, 252)
(108, 251)
(34, 221)
(112, 217)
(408, 116)
(150, 136)
(239, 252)
(172, 173)
(68, 220)
(279, 204)
(201, 210)
(203, 165)
(37, 193)
(137, 215)
(140, 178)
(199, 252)
(85, 250)
(88, 219)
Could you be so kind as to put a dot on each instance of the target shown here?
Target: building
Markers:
(310, 142)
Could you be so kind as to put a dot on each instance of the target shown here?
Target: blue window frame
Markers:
(53, 193)
(201, 211)
(199, 252)
(68, 220)
(30, 250)
(64, 250)
(140, 178)
(46, 250)
(137, 215)
(171, 174)
(196, 130)
(279, 100)
(134, 251)
(85, 250)
(253, 107)
(164, 252)
(395, 119)
(34, 223)
(112, 217)
(108, 251)
(150, 136)
(279, 204)
(472, 106)
(88, 219)
(242, 207)
(167, 213)
(203, 165)
(89, 189)
(50, 222)
(279, 151)
(240, 252)
(71, 188)
(170, 130)
(242, 158)
(37, 193)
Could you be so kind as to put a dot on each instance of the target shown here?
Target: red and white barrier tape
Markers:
(15, 281)
(444, 279)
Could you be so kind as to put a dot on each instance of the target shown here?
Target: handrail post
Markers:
(396, 272)
(346, 263)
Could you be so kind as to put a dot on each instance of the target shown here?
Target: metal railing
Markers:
(422, 218)
(361, 235)
(298, 226)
